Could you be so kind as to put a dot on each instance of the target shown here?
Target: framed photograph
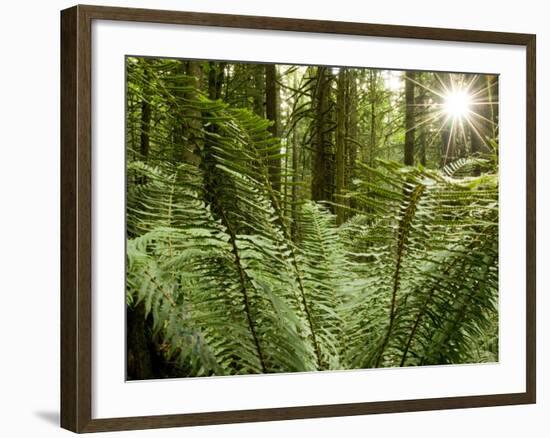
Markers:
(270, 218)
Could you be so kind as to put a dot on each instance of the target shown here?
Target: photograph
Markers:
(299, 218)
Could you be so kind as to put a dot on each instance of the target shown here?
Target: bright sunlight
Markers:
(457, 103)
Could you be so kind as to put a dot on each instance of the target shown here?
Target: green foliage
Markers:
(428, 249)
(409, 279)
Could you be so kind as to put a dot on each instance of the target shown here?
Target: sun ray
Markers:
(456, 106)
(449, 143)
(476, 131)
(426, 105)
(471, 84)
(485, 88)
(463, 132)
(423, 86)
(433, 118)
(436, 134)
(473, 113)
(443, 85)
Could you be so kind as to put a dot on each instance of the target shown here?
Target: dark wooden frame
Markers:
(76, 168)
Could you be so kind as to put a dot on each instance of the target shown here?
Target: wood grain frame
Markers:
(76, 214)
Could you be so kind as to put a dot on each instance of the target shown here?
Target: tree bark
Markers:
(191, 149)
(215, 79)
(211, 174)
(320, 181)
(272, 114)
(483, 124)
(492, 94)
(352, 132)
(138, 358)
(370, 154)
(352, 127)
(409, 119)
(422, 130)
(144, 143)
(340, 144)
(259, 92)
(294, 192)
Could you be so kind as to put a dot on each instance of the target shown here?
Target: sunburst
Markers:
(456, 105)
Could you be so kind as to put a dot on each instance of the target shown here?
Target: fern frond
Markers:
(428, 244)
(327, 281)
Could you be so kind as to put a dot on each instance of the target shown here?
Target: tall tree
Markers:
(492, 98)
(421, 106)
(352, 125)
(216, 76)
(272, 114)
(370, 151)
(320, 181)
(145, 137)
(192, 119)
(215, 79)
(481, 124)
(258, 91)
(341, 144)
(138, 352)
(409, 118)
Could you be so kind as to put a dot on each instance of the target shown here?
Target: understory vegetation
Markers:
(286, 219)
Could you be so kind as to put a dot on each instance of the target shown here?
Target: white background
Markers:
(29, 189)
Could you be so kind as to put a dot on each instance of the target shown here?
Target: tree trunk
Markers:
(191, 149)
(211, 174)
(215, 79)
(492, 94)
(321, 171)
(422, 133)
(422, 141)
(145, 119)
(370, 154)
(138, 357)
(259, 92)
(294, 193)
(340, 144)
(483, 122)
(409, 119)
(272, 114)
(352, 130)
(352, 124)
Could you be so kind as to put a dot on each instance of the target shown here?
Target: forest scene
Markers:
(294, 218)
